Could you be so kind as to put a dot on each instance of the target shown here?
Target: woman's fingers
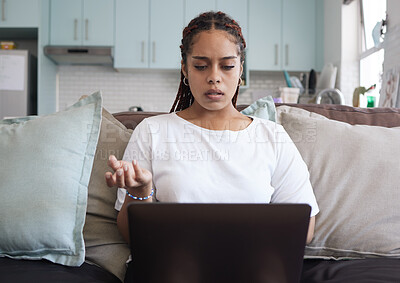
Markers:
(138, 172)
(114, 163)
(129, 175)
(120, 178)
(109, 179)
(126, 175)
(142, 176)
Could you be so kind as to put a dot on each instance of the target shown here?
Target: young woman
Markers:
(205, 150)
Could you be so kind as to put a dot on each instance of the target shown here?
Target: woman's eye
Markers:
(200, 67)
(228, 67)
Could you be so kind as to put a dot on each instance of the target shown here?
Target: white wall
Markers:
(341, 41)
(393, 8)
(392, 38)
(351, 48)
(332, 31)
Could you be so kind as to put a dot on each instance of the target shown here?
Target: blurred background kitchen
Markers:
(326, 51)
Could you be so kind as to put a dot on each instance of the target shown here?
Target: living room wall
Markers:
(392, 40)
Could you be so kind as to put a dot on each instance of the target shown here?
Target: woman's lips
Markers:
(214, 94)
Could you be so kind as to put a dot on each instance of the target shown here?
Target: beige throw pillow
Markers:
(104, 244)
(354, 171)
(295, 110)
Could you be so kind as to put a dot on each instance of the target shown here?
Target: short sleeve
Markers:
(138, 148)
(291, 179)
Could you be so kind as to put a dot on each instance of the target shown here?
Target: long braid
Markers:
(205, 21)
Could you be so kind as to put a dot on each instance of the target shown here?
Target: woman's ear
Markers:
(183, 69)
(241, 69)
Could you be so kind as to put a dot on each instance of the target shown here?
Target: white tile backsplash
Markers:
(153, 90)
(349, 79)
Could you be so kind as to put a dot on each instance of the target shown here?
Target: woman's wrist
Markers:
(141, 198)
(143, 192)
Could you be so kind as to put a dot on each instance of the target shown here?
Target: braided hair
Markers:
(204, 22)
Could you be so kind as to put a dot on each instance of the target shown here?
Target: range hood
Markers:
(79, 55)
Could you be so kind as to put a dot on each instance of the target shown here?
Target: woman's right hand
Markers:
(130, 176)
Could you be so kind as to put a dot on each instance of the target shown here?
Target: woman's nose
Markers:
(214, 76)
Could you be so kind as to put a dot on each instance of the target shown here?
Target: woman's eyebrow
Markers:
(206, 58)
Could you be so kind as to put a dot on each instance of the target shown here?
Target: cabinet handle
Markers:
(3, 12)
(154, 51)
(86, 29)
(142, 52)
(276, 54)
(76, 29)
(287, 54)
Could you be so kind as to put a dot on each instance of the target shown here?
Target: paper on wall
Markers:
(390, 89)
(12, 72)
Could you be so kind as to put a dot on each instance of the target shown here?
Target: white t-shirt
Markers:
(191, 164)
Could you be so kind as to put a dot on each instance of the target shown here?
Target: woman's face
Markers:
(213, 70)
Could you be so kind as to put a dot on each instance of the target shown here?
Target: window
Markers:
(373, 15)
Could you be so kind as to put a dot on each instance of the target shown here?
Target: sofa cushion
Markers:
(295, 110)
(378, 116)
(104, 244)
(355, 175)
(45, 170)
(131, 119)
(18, 271)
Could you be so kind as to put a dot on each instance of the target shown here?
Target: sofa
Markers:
(58, 223)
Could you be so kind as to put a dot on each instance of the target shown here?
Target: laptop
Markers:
(193, 243)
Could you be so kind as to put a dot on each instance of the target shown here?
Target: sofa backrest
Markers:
(378, 116)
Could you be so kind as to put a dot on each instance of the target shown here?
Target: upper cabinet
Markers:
(165, 33)
(193, 8)
(19, 13)
(283, 35)
(82, 22)
(299, 40)
(237, 9)
(148, 34)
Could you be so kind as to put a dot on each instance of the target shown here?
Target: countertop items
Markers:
(312, 82)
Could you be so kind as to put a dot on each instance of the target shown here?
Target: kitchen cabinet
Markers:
(193, 8)
(237, 9)
(148, 34)
(19, 13)
(283, 35)
(82, 22)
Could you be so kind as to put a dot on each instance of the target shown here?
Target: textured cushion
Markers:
(44, 171)
(376, 116)
(354, 171)
(288, 109)
(104, 244)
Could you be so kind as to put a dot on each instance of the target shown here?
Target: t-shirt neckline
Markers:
(217, 131)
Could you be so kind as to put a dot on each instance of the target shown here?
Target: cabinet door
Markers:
(98, 22)
(131, 34)
(66, 22)
(19, 13)
(264, 44)
(299, 35)
(166, 33)
(193, 8)
(237, 9)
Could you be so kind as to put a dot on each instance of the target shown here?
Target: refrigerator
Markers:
(18, 83)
